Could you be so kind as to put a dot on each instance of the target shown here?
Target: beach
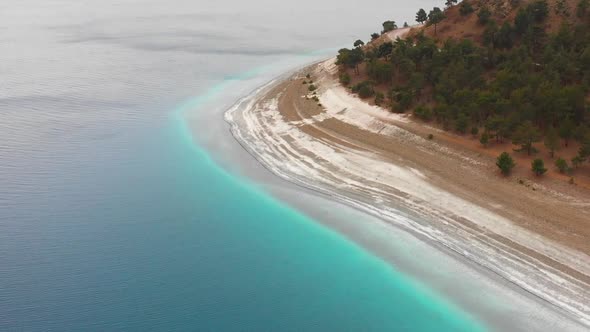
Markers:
(533, 234)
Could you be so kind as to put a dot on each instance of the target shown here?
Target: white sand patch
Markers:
(398, 33)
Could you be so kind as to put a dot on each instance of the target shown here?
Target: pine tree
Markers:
(421, 16)
(538, 167)
(505, 163)
(561, 165)
(551, 141)
(526, 134)
(435, 17)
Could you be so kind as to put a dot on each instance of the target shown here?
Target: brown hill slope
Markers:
(457, 26)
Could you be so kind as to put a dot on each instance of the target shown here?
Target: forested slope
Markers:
(515, 71)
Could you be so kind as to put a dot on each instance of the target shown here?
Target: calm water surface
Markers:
(112, 218)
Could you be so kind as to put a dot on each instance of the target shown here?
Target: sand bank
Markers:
(374, 160)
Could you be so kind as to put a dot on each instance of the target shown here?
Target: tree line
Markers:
(522, 83)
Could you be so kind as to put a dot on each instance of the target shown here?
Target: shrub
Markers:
(430, 136)
(577, 161)
(465, 8)
(505, 163)
(484, 139)
(404, 98)
(474, 131)
(379, 98)
(312, 87)
(424, 113)
(484, 15)
(562, 165)
(345, 79)
(461, 123)
(364, 89)
(538, 167)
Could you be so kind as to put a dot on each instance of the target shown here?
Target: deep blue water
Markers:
(112, 218)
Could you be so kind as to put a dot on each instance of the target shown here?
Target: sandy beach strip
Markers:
(380, 162)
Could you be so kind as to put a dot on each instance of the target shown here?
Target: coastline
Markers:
(293, 145)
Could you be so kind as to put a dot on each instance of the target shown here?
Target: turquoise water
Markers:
(111, 218)
(312, 278)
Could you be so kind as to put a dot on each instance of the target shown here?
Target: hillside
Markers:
(458, 26)
(511, 74)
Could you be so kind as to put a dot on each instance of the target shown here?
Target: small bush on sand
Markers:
(312, 87)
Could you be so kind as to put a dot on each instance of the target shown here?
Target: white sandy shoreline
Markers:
(268, 146)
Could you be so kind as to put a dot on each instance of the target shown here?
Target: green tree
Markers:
(406, 25)
(436, 16)
(389, 26)
(465, 8)
(498, 126)
(566, 130)
(525, 135)
(539, 10)
(364, 89)
(379, 98)
(379, 71)
(374, 36)
(359, 43)
(538, 167)
(484, 139)
(423, 112)
(582, 133)
(504, 37)
(577, 161)
(551, 141)
(522, 21)
(461, 123)
(490, 34)
(421, 16)
(561, 165)
(484, 15)
(345, 79)
(505, 163)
